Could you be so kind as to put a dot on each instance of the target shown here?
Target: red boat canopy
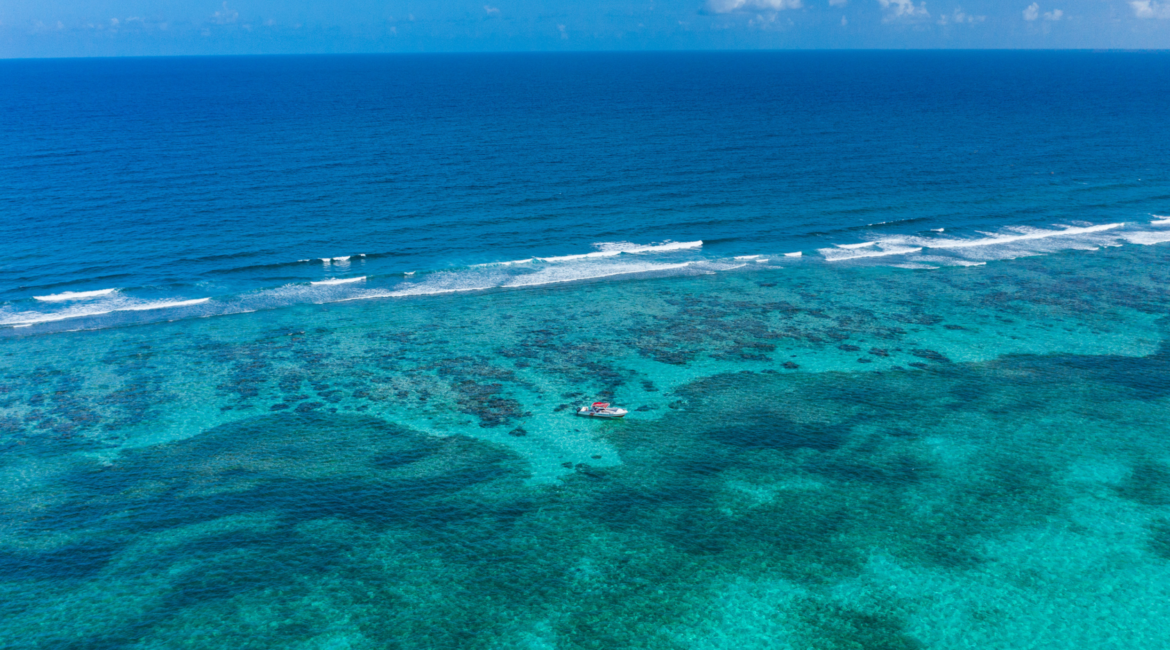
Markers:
(601, 405)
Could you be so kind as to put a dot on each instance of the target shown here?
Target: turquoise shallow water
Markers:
(818, 455)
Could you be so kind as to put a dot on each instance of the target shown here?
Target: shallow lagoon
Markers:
(817, 456)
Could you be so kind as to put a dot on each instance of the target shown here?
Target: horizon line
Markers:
(1089, 50)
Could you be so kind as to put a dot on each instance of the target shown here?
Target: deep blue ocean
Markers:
(290, 349)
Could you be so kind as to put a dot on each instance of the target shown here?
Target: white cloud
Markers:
(1032, 14)
(1150, 9)
(225, 15)
(732, 6)
(491, 11)
(957, 17)
(837, 3)
(904, 10)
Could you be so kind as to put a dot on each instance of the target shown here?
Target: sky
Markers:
(75, 28)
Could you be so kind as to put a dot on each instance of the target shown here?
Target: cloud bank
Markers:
(958, 17)
(903, 11)
(734, 6)
(1032, 12)
(1150, 9)
(225, 16)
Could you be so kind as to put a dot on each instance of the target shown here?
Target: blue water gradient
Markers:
(941, 425)
(182, 179)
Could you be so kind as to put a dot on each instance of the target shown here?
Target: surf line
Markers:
(50, 318)
(75, 295)
(333, 281)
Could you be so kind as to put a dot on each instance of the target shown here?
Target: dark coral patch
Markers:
(1147, 483)
(777, 432)
(931, 355)
(1159, 540)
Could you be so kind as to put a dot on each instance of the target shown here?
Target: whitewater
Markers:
(612, 261)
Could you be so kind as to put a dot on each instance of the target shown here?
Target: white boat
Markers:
(601, 410)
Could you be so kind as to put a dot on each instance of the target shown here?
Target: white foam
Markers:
(1146, 238)
(610, 249)
(605, 249)
(1008, 243)
(557, 275)
(946, 260)
(75, 295)
(612, 259)
(938, 229)
(1012, 242)
(856, 252)
(712, 265)
(1021, 234)
(481, 278)
(332, 281)
(20, 319)
(508, 263)
(165, 305)
(440, 283)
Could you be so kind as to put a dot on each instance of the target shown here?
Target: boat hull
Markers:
(612, 415)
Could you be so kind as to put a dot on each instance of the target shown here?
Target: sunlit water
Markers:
(901, 438)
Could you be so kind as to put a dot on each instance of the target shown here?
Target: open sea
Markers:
(290, 350)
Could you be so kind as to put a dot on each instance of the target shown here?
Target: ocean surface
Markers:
(290, 350)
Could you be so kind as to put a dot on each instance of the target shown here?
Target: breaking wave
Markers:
(609, 260)
(916, 251)
(69, 296)
(608, 249)
(865, 250)
(118, 304)
(332, 281)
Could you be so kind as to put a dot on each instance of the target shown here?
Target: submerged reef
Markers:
(379, 477)
(309, 527)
